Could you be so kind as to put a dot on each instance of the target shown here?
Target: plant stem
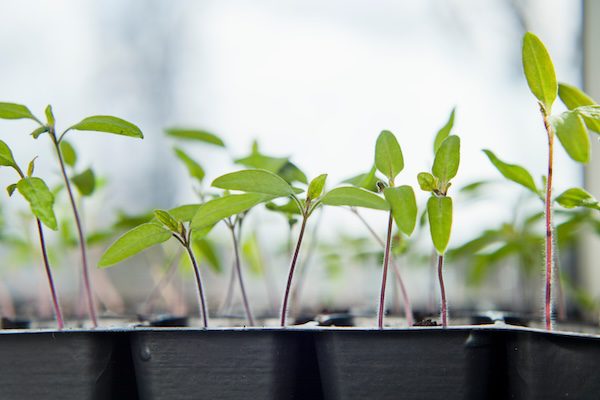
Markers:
(81, 236)
(440, 266)
(288, 286)
(407, 304)
(549, 233)
(386, 259)
(240, 277)
(57, 312)
(201, 299)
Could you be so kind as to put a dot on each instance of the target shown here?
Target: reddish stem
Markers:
(549, 233)
(386, 260)
(57, 312)
(288, 286)
(86, 275)
(201, 298)
(442, 290)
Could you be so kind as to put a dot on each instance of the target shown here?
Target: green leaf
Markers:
(366, 181)
(85, 182)
(513, 172)
(213, 211)
(68, 153)
(388, 155)
(572, 133)
(261, 161)
(49, 115)
(439, 212)
(291, 173)
(315, 188)
(195, 134)
(184, 213)
(539, 71)
(573, 98)
(37, 132)
(11, 188)
(6, 156)
(444, 132)
(404, 207)
(591, 112)
(14, 111)
(134, 241)
(40, 200)
(447, 159)
(577, 197)
(354, 197)
(31, 167)
(206, 250)
(290, 207)
(108, 124)
(194, 169)
(255, 181)
(427, 182)
(167, 220)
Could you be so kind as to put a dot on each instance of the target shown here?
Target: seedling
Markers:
(41, 201)
(185, 224)
(571, 129)
(98, 123)
(439, 206)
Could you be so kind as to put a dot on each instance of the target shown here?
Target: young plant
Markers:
(571, 129)
(41, 202)
(98, 123)
(268, 183)
(186, 224)
(439, 205)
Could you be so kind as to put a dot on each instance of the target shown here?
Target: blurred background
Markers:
(311, 80)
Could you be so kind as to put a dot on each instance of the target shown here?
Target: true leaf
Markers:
(444, 132)
(427, 182)
(213, 211)
(68, 153)
(291, 173)
(167, 220)
(255, 181)
(539, 71)
(37, 132)
(194, 169)
(195, 134)
(439, 212)
(447, 159)
(6, 156)
(49, 115)
(14, 111)
(404, 207)
(85, 182)
(366, 181)
(354, 197)
(134, 241)
(31, 167)
(290, 207)
(573, 98)
(572, 133)
(577, 197)
(184, 213)
(41, 200)
(590, 112)
(11, 188)
(315, 188)
(388, 155)
(108, 124)
(513, 172)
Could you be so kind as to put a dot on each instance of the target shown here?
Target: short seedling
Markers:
(98, 123)
(41, 201)
(439, 205)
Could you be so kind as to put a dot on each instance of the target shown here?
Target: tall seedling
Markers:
(267, 183)
(403, 206)
(439, 205)
(41, 201)
(98, 123)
